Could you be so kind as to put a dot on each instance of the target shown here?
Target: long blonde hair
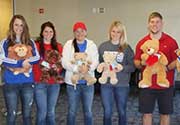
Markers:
(123, 38)
(25, 36)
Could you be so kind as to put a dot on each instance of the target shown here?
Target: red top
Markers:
(36, 68)
(167, 45)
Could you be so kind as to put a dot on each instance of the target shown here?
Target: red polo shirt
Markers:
(167, 45)
(36, 68)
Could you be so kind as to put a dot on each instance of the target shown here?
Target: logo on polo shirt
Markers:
(120, 57)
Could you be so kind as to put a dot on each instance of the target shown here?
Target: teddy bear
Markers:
(51, 67)
(20, 52)
(81, 62)
(178, 60)
(155, 63)
(109, 68)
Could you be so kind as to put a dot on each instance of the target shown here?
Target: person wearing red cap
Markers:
(85, 92)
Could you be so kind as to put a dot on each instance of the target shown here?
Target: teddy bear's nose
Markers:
(149, 49)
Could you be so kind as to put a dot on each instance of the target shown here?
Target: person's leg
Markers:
(121, 97)
(147, 99)
(164, 119)
(27, 95)
(41, 103)
(73, 103)
(52, 97)
(147, 119)
(165, 104)
(11, 93)
(87, 101)
(107, 101)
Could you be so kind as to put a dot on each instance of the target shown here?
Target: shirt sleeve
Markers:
(94, 57)
(67, 57)
(129, 66)
(174, 47)
(138, 52)
(100, 51)
(35, 58)
(60, 48)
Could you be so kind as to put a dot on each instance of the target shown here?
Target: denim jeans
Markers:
(46, 97)
(110, 93)
(12, 94)
(85, 94)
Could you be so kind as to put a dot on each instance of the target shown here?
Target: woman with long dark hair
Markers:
(46, 92)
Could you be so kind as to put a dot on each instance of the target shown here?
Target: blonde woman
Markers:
(117, 43)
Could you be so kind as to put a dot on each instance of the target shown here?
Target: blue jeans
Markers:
(46, 97)
(12, 94)
(86, 94)
(109, 93)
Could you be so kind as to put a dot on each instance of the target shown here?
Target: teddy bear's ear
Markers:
(176, 51)
(143, 46)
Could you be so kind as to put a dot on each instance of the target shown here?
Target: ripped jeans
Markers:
(12, 93)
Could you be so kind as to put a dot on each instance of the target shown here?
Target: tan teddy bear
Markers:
(178, 60)
(20, 52)
(80, 60)
(109, 68)
(155, 62)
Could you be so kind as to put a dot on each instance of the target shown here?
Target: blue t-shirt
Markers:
(82, 48)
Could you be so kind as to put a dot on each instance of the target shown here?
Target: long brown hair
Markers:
(25, 36)
(123, 38)
(41, 38)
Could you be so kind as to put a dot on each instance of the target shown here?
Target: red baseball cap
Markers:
(79, 25)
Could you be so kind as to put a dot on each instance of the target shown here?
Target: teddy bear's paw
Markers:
(121, 68)
(143, 85)
(113, 81)
(92, 81)
(27, 74)
(16, 73)
(178, 69)
(74, 82)
(102, 80)
(164, 84)
(99, 70)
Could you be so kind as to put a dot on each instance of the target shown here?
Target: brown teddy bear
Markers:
(109, 68)
(83, 65)
(155, 62)
(51, 67)
(20, 52)
(178, 60)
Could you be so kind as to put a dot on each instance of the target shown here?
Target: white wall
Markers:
(133, 13)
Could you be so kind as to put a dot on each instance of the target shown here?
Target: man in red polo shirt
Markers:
(163, 96)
